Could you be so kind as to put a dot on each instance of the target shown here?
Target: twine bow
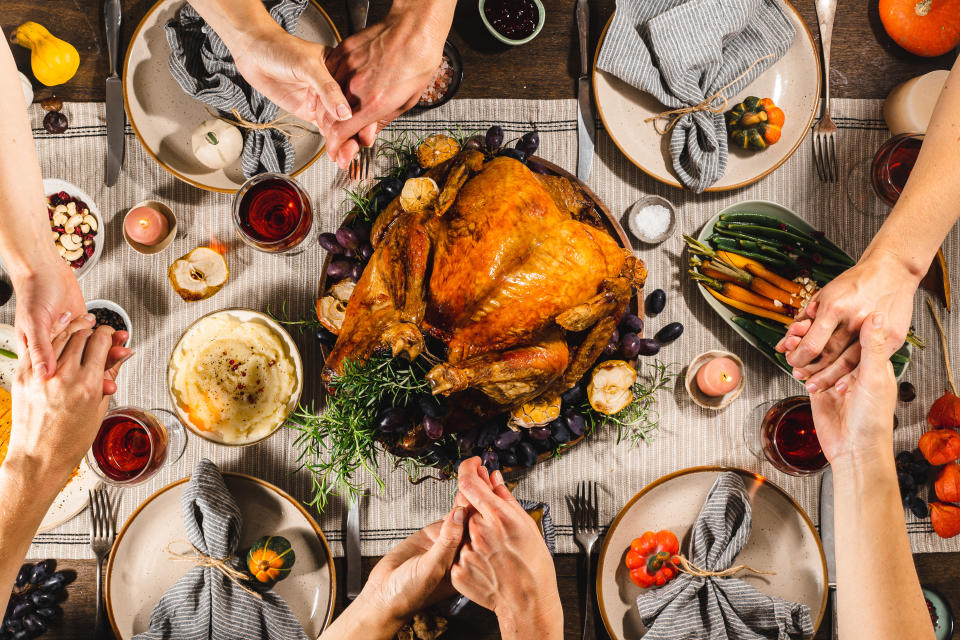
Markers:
(281, 124)
(201, 559)
(673, 115)
(693, 570)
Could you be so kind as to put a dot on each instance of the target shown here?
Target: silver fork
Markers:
(825, 132)
(101, 539)
(359, 169)
(586, 530)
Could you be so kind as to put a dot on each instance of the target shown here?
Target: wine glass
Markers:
(133, 444)
(782, 432)
(887, 173)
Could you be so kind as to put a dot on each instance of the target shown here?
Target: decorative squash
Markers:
(923, 27)
(755, 124)
(54, 61)
(270, 559)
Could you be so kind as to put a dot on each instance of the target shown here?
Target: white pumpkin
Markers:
(27, 89)
(217, 144)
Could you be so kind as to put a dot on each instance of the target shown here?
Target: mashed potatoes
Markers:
(232, 379)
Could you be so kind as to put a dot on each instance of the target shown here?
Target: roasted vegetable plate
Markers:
(758, 264)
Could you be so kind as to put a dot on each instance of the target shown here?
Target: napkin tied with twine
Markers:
(683, 52)
(204, 68)
(700, 607)
(207, 603)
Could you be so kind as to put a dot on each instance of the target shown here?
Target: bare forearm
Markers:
(878, 592)
(24, 225)
(544, 622)
(930, 203)
(362, 620)
(236, 21)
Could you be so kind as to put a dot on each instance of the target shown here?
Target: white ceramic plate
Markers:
(783, 539)
(244, 315)
(140, 571)
(164, 117)
(793, 82)
(73, 498)
(54, 185)
(779, 212)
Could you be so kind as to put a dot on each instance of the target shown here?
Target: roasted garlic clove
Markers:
(536, 413)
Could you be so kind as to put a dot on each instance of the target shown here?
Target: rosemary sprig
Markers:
(307, 323)
(639, 418)
(341, 441)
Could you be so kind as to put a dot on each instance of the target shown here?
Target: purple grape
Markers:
(391, 187)
(22, 608)
(615, 336)
(576, 423)
(349, 254)
(41, 599)
(41, 570)
(561, 434)
(529, 143)
(34, 624)
(365, 251)
(649, 347)
(526, 454)
(494, 138)
(433, 427)
(339, 269)
(573, 396)
(539, 433)
(53, 583)
(516, 154)
(610, 349)
(347, 238)
(467, 440)
(490, 460)
(629, 346)
(631, 322)
(476, 143)
(23, 577)
(507, 439)
(487, 434)
(362, 229)
(655, 302)
(48, 612)
(536, 167)
(12, 625)
(356, 271)
(669, 333)
(393, 420)
(508, 458)
(328, 242)
(414, 170)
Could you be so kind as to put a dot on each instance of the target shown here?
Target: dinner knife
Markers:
(352, 550)
(357, 13)
(827, 539)
(116, 119)
(586, 126)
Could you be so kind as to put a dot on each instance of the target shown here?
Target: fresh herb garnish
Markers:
(307, 323)
(641, 417)
(8, 354)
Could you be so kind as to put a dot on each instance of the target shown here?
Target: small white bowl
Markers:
(54, 185)
(633, 213)
(710, 402)
(113, 306)
(504, 39)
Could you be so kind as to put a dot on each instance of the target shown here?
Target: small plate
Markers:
(783, 539)
(793, 82)
(110, 305)
(140, 571)
(541, 20)
(52, 186)
(163, 117)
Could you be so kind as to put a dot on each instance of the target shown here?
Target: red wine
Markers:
(513, 19)
(892, 166)
(790, 437)
(273, 213)
(128, 448)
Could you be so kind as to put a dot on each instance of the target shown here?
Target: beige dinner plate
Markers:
(783, 540)
(793, 83)
(164, 117)
(140, 570)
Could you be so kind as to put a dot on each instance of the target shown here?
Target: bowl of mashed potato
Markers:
(235, 376)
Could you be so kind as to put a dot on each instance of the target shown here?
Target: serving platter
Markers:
(140, 571)
(783, 214)
(163, 117)
(793, 82)
(783, 540)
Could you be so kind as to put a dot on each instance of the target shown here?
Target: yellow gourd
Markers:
(54, 61)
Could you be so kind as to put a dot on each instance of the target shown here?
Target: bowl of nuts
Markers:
(75, 224)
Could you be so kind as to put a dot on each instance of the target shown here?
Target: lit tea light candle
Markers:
(718, 377)
(146, 225)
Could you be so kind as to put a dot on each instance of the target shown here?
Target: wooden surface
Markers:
(940, 571)
(866, 62)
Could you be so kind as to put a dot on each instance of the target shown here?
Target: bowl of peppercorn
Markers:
(107, 312)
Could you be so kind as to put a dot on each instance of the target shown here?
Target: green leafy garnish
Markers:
(638, 419)
(8, 354)
(307, 323)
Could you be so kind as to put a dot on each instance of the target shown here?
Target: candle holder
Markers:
(714, 403)
(151, 249)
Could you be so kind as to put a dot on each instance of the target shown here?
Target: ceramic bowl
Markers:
(700, 398)
(502, 38)
(456, 64)
(113, 306)
(52, 186)
(636, 229)
(167, 213)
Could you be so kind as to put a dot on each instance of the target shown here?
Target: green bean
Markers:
(765, 336)
(731, 245)
(807, 243)
(769, 221)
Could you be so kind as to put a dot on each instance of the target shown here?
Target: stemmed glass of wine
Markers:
(888, 173)
(133, 444)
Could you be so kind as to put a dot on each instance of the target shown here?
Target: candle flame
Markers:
(217, 246)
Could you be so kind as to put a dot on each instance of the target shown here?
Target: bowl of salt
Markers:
(651, 219)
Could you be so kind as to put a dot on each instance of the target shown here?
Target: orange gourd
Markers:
(923, 27)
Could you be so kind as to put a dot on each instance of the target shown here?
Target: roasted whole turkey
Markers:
(508, 283)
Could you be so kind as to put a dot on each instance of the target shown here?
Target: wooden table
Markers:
(866, 64)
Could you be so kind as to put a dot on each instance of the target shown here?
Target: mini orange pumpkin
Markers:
(270, 559)
(926, 28)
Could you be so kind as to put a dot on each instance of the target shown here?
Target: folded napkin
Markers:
(711, 608)
(684, 51)
(204, 604)
(204, 68)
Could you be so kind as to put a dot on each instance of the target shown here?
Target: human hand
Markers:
(384, 70)
(854, 418)
(506, 566)
(56, 419)
(47, 299)
(822, 344)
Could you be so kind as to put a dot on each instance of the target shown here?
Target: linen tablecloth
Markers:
(688, 436)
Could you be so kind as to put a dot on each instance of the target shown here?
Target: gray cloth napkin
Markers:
(204, 604)
(203, 66)
(683, 51)
(692, 608)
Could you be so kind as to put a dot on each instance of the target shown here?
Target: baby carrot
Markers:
(752, 309)
(761, 271)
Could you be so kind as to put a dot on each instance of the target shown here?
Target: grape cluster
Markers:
(492, 143)
(913, 474)
(33, 603)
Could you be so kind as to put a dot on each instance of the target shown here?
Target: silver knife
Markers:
(826, 537)
(116, 119)
(357, 13)
(586, 126)
(352, 550)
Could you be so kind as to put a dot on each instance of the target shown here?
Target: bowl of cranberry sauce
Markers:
(513, 21)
